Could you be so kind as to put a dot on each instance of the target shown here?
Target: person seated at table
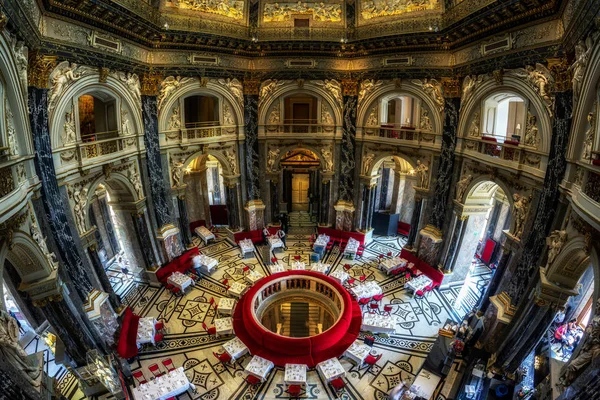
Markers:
(560, 332)
(281, 235)
(572, 325)
(266, 234)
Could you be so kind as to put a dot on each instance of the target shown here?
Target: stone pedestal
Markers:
(168, 242)
(325, 198)
(256, 214)
(430, 245)
(344, 211)
(415, 222)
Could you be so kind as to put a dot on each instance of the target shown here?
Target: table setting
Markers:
(418, 283)
(351, 248)
(295, 374)
(378, 323)
(340, 276)
(320, 267)
(259, 367)
(253, 276)
(224, 326)
(298, 266)
(204, 263)
(246, 246)
(146, 330)
(235, 348)
(321, 242)
(180, 280)
(204, 233)
(275, 242)
(331, 369)
(225, 306)
(365, 290)
(163, 387)
(357, 351)
(390, 264)
(236, 289)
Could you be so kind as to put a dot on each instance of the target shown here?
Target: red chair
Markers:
(373, 307)
(381, 258)
(139, 377)
(377, 298)
(435, 285)
(168, 364)
(159, 326)
(211, 331)
(408, 276)
(211, 302)
(297, 258)
(245, 269)
(294, 391)
(158, 338)
(337, 384)
(419, 294)
(389, 254)
(252, 380)
(155, 370)
(364, 302)
(223, 358)
(387, 309)
(350, 282)
(396, 271)
(359, 252)
(176, 291)
(226, 283)
(362, 278)
(274, 260)
(372, 360)
(347, 267)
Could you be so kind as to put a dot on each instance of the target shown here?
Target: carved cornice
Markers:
(39, 68)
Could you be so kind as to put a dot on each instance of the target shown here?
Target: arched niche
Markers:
(402, 162)
(511, 86)
(126, 106)
(285, 150)
(219, 155)
(26, 256)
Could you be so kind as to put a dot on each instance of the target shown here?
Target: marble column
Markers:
(184, 221)
(535, 241)
(233, 205)
(108, 224)
(142, 232)
(371, 208)
(274, 197)
(415, 221)
(325, 198)
(348, 145)
(385, 180)
(494, 283)
(115, 301)
(203, 194)
(456, 234)
(51, 196)
(398, 192)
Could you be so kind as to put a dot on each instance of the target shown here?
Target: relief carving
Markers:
(461, 187)
(13, 145)
(520, 211)
(327, 158)
(232, 160)
(422, 172)
(175, 120)
(588, 140)
(69, 134)
(474, 128)
(227, 115)
(540, 78)
(425, 121)
(272, 158)
(132, 81)
(281, 12)
(366, 87)
(61, 77)
(385, 8)
(333, 87)
(531, 131)
(168, 86)
(124, 123)
(235, 87)
(227, 8)
(433, 89)
(555, 242)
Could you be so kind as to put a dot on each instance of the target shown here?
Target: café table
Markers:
(295, 374)
(298, 266)
(320, 243)
(331, 369)
(236, 289)
(225, 306)
(418, 283)
(224, 326)
(357, 351)
(377, 323)
(276, 268)
(163, 387)
(365, 290)
(390, 264)
(259, 367)
(246, 246)
(320, 267)
(253, 276)
(351, 248)
(146, 330)
(235, 348)
(180, 280)
(204, 233)
(275, 242)
(340, 276)
(205, 263)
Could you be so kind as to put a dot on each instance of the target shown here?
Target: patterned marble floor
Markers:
(189, 346)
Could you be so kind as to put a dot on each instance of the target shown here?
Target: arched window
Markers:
(97, 117)
(504, 116)
(201, 111)
(400, 110)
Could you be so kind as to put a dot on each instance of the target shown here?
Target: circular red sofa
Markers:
(309, 350)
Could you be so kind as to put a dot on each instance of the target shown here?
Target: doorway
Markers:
(300, 187)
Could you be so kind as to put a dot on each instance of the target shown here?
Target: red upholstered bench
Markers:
(255, 236)
(403, 228)
(127, 346)
(512, 142)
(489, 138)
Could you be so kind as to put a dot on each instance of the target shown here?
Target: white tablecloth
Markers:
(226, 306)
(275, 242)
(295, 374)
(298, 266)
(205, 263)
(418, 283)
(320, 267)
(180, 280)
(364, 290)
(169, 385)
(321, 241)
(276, 268)
(331, 369)
(253, 276)
(235, 348)
(377, 323)
(340, 276)
(259, 367)
(390, 264)
(146, 331)
(236, 289)
(246, 246)
(425, 384)
(351, 248)
(204, 233)
(224, 326)
(358, 351)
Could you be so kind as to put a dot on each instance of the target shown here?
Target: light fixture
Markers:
(166, 26)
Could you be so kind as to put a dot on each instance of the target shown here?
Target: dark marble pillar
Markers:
(347, 156)
(144, 239)
(492, 288)
(184, 221)
(371, 208)
(385, 180)
(446, 163)
(233, 213)
(51, 196)
(114, 299)
(491, 228)
(364, 205)
(14, 386)
(158, 191)
(535, 242)
(325, 201)
(414, 222)
(251, 141)
(274, 191)
(108, 224)
(455, 240)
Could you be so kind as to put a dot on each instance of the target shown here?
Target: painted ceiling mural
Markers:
(386, 8)
(321, 12)
(227, 8)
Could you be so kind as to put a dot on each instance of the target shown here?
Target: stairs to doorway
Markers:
(302, 219)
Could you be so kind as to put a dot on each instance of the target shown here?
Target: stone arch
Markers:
(401, 160)
(194, 88)
(514, 86)
(219, 155)
(406, 88)
(26, 256)
(88, 84)
(290, 88)
(479, 180)
(572, 261)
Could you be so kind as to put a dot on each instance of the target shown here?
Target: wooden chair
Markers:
(155, 369)
(168, 364)
(139, 377)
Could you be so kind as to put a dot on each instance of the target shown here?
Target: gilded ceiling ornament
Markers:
(433, 89)
(168, 86)
(540, 78)
(39, 68)
(103, 74)
(385, 8)
(366, 87)
(227, 8)
(498, 76)
(148, 84)
(3, 21)
(333, 87)
(531, 131)
(235, 87)
(267, 88)
(61, 77)
(321, 12)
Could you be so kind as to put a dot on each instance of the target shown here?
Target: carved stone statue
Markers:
(12, 352)
(60, 77)
(37, 236)
(124, 123)
(461, 186)
(425, 123)
(235, 87)
(274, 118)
(177, 172)
(175, 120)
(421, 171)
(227, 116)
(541, 79)
(372, 119)
(80, 199)
(267, 88)
(21, 52)
(133, 83)
(333, 87)
(520, 211)
(589, 351)
(272, 159)
(433, 89)
(327, 158)
(232, 160)
(68, 135)
(588, 140)
(326, 118)
(168, 86)
(366, 87)
(13, 145)
(474, 129)
(531, 131)
(583, 49)
(556, 241)
(134, 178)
(367, 162)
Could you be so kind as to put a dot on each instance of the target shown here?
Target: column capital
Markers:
(251, 86)
(506, 311)
(150, 82)
(452, 88)
(562, 74)
(39, 69)
(350, 87)
(44, 290)
(3, 21)
(435, 234)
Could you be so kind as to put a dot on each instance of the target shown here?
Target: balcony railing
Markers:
(99, 148)
(299, 128)
(195, 133)
(505, 151)
(404, 133)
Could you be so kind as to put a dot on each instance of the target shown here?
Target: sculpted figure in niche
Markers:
(69, 129)
(232, 159)
(227, 116)
(37, 236)
(367, 161)
(531, 131)
(177, 173)
(60, 77)
(12, 352)
(589, 137)
(80, 199)
(583, 49)
(372, 119)
(461, 186)
(474, 130)
(272, 158)
(421, 171)
(326, 118)
(425, 121)
(134, 177)
(124, 123)
(520, 209)
(327, 158)
(11, 132)
(175, 120)
(556, 242)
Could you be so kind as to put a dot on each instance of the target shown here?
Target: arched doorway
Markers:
(97, 116)
(300, 183)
